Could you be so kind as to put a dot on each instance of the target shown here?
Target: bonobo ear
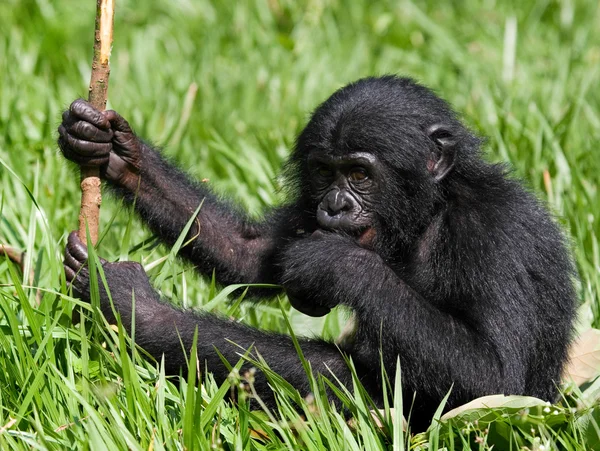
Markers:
(442, 161)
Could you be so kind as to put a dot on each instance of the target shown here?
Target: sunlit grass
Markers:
(225, 87)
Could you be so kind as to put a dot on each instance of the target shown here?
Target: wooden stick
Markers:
(90, 178)
(19, 258)
(12, 254)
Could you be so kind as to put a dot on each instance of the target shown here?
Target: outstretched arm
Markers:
(162, 329)
(223, 238)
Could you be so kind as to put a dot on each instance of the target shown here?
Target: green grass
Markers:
(225, 87)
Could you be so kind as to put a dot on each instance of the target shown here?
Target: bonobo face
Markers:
(345, 188)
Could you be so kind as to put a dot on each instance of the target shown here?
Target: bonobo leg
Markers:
(161, 329)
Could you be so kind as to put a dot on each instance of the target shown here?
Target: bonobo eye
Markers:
(324, 171)
(358, 174)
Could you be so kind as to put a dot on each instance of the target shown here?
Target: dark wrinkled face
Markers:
(344, 188)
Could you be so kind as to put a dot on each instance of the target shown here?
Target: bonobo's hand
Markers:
(319, 270)
(100, 138)
(124, 279)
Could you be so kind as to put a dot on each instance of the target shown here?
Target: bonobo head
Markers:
(376, 160)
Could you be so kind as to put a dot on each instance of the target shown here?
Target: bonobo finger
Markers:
(80, 159)
(70, 274)
(89, 132)
(71, 262)
(68, 118)
(64, 143)
(86, 150)
(76, 248)
(85, 111)
(117, 121)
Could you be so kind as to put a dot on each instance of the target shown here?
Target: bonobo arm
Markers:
(224, 239)
(437, 350)
(162, 329)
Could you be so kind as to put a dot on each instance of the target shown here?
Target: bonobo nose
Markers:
(336, 210)
(336, 202)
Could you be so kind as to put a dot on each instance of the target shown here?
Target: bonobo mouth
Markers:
(365, 235)
(341, 221)
(346, 222)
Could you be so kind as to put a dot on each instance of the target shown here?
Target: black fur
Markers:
(468, 279)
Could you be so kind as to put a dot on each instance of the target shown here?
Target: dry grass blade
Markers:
(584, 358)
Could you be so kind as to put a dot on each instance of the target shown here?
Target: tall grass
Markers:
(224, 87)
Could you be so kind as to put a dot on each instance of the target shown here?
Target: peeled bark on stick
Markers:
(90, 178)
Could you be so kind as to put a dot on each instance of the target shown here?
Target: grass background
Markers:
(225, 87)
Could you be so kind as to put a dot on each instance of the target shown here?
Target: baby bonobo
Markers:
(447, 263)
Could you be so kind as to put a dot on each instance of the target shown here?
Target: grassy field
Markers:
(224, 87)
